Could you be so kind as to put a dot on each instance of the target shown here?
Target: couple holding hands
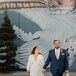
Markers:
(57, 58)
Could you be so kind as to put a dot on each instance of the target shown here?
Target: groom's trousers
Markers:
(57, 73)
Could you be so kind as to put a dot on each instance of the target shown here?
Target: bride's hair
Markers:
(33, 51)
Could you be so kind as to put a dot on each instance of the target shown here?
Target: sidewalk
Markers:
(23, 73)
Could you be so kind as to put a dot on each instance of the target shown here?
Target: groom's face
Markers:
(57, 44)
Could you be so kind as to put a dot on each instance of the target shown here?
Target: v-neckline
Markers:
(35, 58)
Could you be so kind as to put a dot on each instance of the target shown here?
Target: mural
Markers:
(40, 26)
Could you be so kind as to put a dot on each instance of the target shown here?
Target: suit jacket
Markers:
(61, 64)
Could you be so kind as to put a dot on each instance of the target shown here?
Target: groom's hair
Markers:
(55, 41)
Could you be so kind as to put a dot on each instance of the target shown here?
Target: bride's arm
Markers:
(28, 64)
(42, 62)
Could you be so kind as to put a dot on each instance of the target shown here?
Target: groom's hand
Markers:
(67, 73)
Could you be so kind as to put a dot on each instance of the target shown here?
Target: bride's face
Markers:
(37, 51)
(68, 3)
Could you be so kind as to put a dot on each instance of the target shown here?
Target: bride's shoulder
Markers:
(30, 55)
(40, 55)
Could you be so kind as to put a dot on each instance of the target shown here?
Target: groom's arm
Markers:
(66, 60)
(47, 61)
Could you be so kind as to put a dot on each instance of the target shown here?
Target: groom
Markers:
(59, 60)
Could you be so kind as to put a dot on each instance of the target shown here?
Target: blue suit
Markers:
(57, 67)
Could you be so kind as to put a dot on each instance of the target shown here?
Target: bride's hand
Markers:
(43, 70)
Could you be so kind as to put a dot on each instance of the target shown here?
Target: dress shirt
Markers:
(57, 53)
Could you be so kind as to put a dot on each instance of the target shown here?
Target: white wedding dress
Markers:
(35, 66)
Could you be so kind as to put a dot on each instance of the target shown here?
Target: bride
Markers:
(35, 63)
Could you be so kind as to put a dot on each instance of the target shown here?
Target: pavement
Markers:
(24, 73)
